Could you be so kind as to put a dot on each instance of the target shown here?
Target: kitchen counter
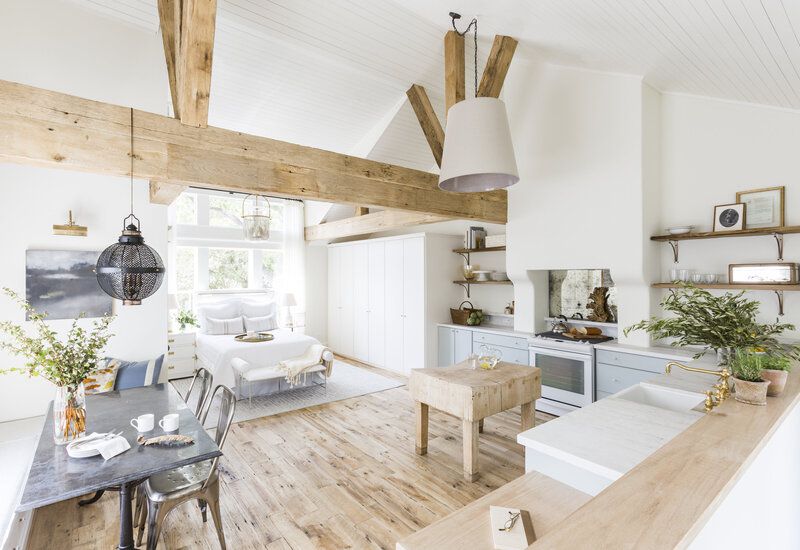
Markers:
(492, 329)
(661, 352)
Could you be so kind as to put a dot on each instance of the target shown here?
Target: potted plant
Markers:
(186, 318)
(719, 323)
(750, 387)
(64, 362)
(776, 370)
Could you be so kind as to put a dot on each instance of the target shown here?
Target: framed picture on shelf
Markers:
(729, 217)
(765, 207)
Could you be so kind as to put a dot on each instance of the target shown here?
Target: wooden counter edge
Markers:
(547, 500)
(666, 500)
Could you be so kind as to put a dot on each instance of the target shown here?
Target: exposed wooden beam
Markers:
(362, 210)
(494, 74)
(169, 14)
(453, 69)
(165, 193)
(428, 120)
(194, 57)
(52, 129)
(370, 223)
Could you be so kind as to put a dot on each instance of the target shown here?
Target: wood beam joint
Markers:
(494, 74)
(428, 120)
(454, 85)
(369, 223)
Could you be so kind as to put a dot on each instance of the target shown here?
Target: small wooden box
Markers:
(782, 273)
(495, 240)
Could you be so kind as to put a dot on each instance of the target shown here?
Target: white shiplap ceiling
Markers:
(329, 73)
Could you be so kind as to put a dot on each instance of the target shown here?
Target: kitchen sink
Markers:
(664, 398)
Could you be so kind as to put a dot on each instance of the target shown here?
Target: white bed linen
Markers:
(217, 351)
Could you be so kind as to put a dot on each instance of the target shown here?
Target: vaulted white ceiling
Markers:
(333, 74)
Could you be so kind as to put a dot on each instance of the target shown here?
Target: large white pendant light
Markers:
(478, 154)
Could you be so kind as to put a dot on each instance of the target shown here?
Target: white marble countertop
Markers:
(664, 352)
(493, 329)
(611, 436)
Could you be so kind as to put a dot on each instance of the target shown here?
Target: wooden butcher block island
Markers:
(472, 395)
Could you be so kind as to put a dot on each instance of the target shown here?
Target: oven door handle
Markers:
(560, 353)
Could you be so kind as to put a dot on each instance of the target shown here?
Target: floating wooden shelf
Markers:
(728, 286)
(783, 230)
(482, 282)
(777, 289)
(777, 232)
(473, 250)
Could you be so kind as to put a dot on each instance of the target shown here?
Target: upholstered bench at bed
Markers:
(247, 374)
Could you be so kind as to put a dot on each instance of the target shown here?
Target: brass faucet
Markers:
(719, 393)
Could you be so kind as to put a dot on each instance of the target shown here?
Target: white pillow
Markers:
(223, 310)
(259, 324)
(258, 308)
(224, 326)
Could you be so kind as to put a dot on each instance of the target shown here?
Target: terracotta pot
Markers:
(752, 393)
(777, 379)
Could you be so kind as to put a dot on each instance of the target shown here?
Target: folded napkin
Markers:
(108, 447)
(112, 447)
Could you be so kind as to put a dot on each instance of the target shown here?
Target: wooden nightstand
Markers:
(182, 355)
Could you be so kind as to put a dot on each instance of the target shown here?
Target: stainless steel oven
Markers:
(567, 374)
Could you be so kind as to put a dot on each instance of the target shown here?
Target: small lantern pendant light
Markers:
(129, 270)
(256, 216)
(478, 154)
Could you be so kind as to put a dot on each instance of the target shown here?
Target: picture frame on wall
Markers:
(764, 207)
(729, 217)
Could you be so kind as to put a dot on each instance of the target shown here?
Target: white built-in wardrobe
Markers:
(385, 297)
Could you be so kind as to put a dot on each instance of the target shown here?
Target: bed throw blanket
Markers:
(295, 367)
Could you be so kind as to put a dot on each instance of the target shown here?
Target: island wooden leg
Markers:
(528, 411)
(470, 433)
(480, 425)
(422, 428)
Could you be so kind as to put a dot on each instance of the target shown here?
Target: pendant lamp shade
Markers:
(478, 154)
(129, 270)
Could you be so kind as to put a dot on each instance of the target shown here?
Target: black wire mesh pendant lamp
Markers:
(129, 270)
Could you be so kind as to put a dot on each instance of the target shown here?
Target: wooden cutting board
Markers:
(583, 336)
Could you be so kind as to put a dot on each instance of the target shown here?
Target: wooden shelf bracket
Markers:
(465, 286)
(674, 245)
(779, 294)
(779, 241)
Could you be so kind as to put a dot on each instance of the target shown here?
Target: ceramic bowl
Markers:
(482, 275)
(499, 276)
(680, 230)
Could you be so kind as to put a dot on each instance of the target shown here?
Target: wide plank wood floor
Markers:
(339, 475)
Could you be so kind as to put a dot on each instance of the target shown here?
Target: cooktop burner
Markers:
(550, 335)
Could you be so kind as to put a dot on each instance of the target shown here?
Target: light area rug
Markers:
(346, 381)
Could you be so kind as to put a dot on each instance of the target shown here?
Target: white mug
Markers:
(170, 422)
(143, 423)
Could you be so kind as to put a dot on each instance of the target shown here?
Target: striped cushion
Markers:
(224, 326)
(135, 374)
(260, 324)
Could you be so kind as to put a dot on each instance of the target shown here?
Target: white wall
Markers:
(31, 201)
(60, 46)
(316, 319)
(710, 150)
(578, 137)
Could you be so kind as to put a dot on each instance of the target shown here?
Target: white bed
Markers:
(216, 351)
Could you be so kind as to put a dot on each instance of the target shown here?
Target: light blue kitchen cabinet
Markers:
(454, 346)
(463, 344)
(446, 347)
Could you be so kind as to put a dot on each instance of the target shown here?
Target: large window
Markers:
(209, 252)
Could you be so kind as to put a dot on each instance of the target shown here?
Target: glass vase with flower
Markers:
(64, 361)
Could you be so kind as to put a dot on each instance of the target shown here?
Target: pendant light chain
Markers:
(131, 161)
(473, 25)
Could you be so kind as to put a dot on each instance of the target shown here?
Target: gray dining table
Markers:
(55, 476)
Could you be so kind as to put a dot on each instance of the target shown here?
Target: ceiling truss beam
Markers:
(52, 129)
